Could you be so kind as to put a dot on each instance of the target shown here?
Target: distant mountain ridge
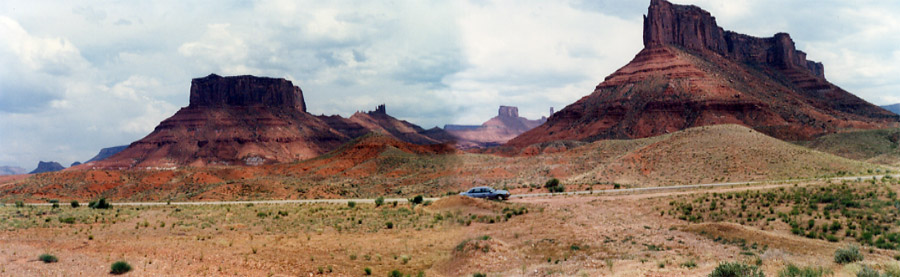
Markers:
(12, 170)
(692, 73)
(107, 152)
(895, 108)
(496, 131)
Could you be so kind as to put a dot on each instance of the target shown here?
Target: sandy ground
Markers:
(590, 235)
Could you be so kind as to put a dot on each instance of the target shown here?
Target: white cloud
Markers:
(98, 76)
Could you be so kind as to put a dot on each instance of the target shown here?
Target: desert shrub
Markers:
(395, 273)
(794, 271)
(379, 201)
(736, 269)
(351, 204)
(417, 200)
(867, 271)
(75, 204)
(553, 186)
(67, 220)
(47, 258)
(120, 267)
(20, 204)
(99, 204)
(479, 275)
(689, 264)
(847, 255)
(368, 271)
(551, 183)
(389, 225)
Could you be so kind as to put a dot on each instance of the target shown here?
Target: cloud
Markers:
(96, 77)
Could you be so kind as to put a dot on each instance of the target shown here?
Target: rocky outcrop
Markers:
(11, 170)
(693, 73)
(107, 152)
(47, 167)
(496, 131)
(247, 120)
(245, 91)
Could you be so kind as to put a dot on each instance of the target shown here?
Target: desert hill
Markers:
(496, 131)
(874, 146)
(247, 120)
(692, 72)
(378, 164)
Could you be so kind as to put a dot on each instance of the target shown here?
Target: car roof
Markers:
(481, 187)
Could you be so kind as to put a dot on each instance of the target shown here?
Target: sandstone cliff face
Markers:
(695, 29)
(245, 91)
(247, 120)
(693, 73)
(496, 131)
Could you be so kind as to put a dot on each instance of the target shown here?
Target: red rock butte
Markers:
(692, 73)
(248, 120)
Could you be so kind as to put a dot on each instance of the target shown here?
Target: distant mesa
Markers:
(496, 131)
(107, 152)
(895, 108)
(12, 170)
(692, 72)
(47, 167)
(76, 163)
(245, 91)
(248, 120)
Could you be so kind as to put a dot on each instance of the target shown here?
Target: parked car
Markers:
(486, 192)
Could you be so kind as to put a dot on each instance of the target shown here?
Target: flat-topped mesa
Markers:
(695, 29)
(245, 91)
(507, 111)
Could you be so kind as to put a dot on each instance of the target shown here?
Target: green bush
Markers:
(120, 267)
(847, 255)
(75, 204)
(368, 271)
(47, 258)
(479, 275)
(67, 220)
(553, 186)
(20, 204)
(351, 204)
(379, 201)
(395, 273)
(551, 183)
(99, 204)
(794, 271)
(736, 269)
(390, 225)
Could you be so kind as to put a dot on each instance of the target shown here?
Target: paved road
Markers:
(403, 200)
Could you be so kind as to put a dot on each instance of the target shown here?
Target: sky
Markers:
(77, 76)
